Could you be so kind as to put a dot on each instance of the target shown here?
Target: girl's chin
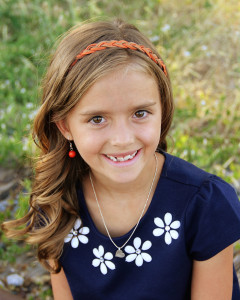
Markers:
(122, 180)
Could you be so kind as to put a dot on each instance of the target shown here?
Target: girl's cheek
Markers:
(90, 143)
(151, 135)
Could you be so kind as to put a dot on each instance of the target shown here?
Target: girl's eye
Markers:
(141, 114)
(97, 120)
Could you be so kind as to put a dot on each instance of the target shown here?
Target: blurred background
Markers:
(199, 41)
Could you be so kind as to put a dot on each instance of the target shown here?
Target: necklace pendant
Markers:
(119, 253)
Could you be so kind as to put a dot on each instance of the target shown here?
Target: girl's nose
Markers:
(122, 134)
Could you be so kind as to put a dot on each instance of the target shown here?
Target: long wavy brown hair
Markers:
(53, 200)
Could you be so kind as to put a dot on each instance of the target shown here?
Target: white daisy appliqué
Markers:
(77, 234)
(103, 261)
(136, 253)
(168, 228)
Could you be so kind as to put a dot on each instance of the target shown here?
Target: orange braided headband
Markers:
(120, 44)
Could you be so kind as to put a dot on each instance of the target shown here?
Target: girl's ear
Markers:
(63, 128)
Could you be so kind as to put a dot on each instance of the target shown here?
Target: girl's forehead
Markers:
(124, 87)
(122, 79)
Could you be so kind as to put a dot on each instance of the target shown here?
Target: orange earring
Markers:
(71, 153)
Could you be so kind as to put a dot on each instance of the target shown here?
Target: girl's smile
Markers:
(116, 125)
(122, 160)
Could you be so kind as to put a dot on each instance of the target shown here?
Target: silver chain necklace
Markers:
(119, 252)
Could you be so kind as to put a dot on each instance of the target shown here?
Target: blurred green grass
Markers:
(199, 41)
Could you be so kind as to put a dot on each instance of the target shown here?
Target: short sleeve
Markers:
(212, 219)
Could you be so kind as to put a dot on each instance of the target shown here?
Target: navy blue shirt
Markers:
(193, 215)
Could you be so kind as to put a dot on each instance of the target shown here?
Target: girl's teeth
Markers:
(112, 158)
(122, 158)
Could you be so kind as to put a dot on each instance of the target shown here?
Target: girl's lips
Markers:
(123, 163)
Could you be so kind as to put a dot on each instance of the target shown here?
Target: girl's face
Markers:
(116, 125)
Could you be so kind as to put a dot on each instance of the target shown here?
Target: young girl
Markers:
(113, 214)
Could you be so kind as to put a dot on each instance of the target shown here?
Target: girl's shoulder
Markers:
(199, 190)
(182, 171)
(207, 206)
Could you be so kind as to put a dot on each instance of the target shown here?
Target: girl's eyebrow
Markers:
(102, 112)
